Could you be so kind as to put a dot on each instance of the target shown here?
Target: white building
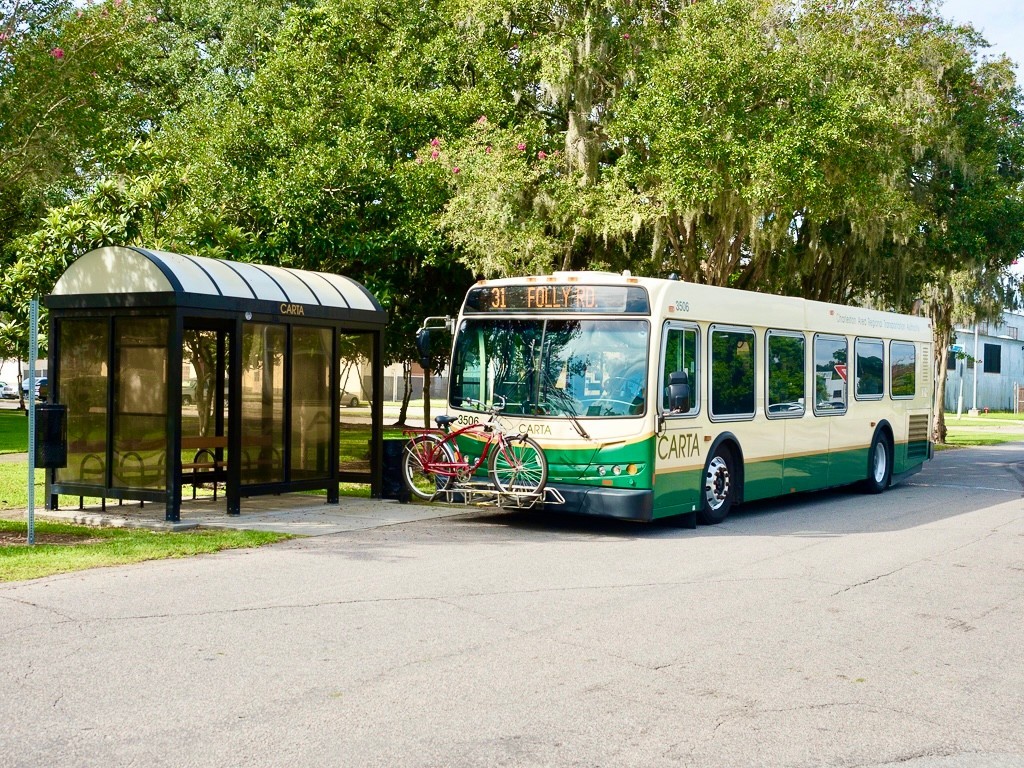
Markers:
(992, 374)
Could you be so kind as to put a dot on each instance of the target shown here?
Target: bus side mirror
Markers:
(423, 347)
(678, 392)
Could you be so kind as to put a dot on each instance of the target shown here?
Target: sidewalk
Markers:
(293, 513)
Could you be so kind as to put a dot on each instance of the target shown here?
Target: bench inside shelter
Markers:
(207, 465)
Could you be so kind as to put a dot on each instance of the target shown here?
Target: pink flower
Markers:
(419, 161)
(456, 169)
(626, 36)
(542, 155)
(435, 142)
(487, 149)
(482, 120)
(151, 19)
(434, 155)
(521, 146)
(57, 53)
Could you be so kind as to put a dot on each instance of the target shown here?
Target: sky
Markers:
(1000, 21)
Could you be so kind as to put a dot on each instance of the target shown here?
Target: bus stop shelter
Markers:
(274, 353)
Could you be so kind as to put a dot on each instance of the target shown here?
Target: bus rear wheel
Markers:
(719, 486)
(879, 464)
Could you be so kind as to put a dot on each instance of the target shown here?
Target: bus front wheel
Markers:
(719, 487)
(879, 464)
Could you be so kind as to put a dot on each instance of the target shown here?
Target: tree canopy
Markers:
(863, 151)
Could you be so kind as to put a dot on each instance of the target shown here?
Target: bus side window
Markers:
(902, 369)
(830, 372)
(679, 355)
(786, 388)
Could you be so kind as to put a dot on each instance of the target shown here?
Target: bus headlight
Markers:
(632, 469)
(602, 470)
(616, 470)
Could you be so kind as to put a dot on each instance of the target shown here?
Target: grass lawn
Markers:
(13, 431)
(985, 429)
(14, 486)
(986, 420)
(61, 548)
(963, 438)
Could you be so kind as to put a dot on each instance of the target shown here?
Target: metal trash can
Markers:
(392, 486)
(51, 435)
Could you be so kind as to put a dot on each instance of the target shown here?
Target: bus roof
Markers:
(681, 300)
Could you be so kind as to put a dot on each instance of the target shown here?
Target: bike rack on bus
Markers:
(483, 494)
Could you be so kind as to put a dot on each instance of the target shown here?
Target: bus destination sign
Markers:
(600, 299)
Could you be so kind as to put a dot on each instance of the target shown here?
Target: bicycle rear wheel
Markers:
(518, 466)
(417, 457)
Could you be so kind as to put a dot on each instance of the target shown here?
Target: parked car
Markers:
(188, 391)
(8, 391)
(347, 398)
(42, 387)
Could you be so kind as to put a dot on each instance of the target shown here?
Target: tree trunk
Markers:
(21, 392)
(403, 414)
(942, 336)
(426, 398)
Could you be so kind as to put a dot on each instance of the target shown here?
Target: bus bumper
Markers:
(620, 503)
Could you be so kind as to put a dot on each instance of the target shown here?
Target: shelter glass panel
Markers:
(83, 389)
(140, 403)
(262, 459)
(355, 363)
(312, 363)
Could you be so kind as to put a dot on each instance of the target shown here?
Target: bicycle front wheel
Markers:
(419, 454)
(518, 466)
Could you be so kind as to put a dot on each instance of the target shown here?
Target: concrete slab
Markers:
(295, 514)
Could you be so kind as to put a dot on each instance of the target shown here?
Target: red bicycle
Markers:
(433, 464)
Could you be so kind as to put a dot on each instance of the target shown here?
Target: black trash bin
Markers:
(392, 486)
(51, 435)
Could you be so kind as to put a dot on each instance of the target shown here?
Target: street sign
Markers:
(841, 371)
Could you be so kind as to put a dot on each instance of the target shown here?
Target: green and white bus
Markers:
(653, 398)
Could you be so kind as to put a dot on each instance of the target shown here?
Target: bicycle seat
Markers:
(444, 420)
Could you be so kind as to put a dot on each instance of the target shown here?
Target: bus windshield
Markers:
(570, 368)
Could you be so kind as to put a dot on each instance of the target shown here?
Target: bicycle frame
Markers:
(462, 467)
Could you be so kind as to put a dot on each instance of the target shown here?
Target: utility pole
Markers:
(974, 409)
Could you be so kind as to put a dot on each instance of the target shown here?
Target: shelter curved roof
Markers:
(122, 271)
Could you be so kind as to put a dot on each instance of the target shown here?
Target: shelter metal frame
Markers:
(119, 286)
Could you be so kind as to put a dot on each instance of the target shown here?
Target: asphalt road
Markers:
(833, 629)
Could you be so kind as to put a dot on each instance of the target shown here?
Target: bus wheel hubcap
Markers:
(879, 462)
(716, 487)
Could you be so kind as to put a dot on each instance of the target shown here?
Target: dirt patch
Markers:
(14, 539)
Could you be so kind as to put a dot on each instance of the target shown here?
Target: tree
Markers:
(962, 297)
(768, 146)
(973, 197)
(533, 190)
(73, 89)
(310, 165)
